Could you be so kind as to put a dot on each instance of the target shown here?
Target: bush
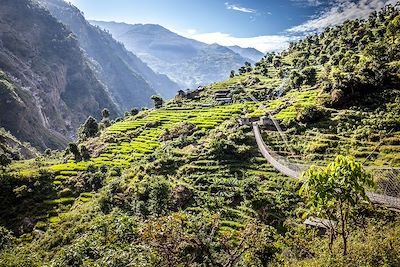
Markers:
(310, 114)
(6, 237)
(4, 160)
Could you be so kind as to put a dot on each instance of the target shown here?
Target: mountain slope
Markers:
(249, 52)
(129, 80)
(14, 149)
(47, 88)
(186, 61)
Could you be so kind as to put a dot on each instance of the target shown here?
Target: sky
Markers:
(267, 25)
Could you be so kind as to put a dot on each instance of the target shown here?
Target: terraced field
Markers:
(286, 108)
(135, 137)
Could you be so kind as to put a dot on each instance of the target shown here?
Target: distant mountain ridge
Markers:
(187, 62)
(130, 81)
(248, 52)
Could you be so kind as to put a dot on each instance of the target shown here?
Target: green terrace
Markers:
(286, 108)
(130, 140)
(135, 137)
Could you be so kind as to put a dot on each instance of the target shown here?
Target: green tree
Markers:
(393, 29)
(134, 111)
(73, 148)
(4, 160)
(335, 193)
(158, 101)
(89, 129)
(85, 153)
(105, 121)
(105, 113)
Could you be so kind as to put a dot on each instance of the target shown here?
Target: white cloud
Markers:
(239, 8)
(340, 11)
(307, 3)
(266, 43)
(191, 31)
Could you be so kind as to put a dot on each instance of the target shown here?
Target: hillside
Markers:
(13, 149)
(186, 185)
(47, 87)
(250, 53)
(188, 62)
(129, 80)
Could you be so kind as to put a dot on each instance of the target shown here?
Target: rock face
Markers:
(187, 62)
(130, 81)
(47, 88)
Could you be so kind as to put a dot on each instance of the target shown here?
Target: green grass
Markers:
(63, 201)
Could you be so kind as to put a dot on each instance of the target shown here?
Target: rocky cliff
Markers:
(130, 81)
(47, 88)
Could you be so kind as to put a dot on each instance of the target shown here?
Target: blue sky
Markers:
(264, 24)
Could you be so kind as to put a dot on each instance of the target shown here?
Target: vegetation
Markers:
(336, 193)
(185, 185)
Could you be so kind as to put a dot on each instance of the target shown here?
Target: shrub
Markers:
(6, 237)
(4, 160)
(310, 114)
(21, 191)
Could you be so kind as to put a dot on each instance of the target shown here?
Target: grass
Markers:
(63, 201)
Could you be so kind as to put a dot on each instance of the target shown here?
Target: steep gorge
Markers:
(47, 87)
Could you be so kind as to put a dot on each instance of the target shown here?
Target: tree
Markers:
(105, 113)
(393, 29)
(335, 192)
(105, 121)
(4, 160)
(73, 148)
(134, 111)
(89, 129)
(232, 74)
(242, 70)
(85, 153)
(158, 101)
(295, 79)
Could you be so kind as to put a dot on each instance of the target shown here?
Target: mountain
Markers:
(187, 62)
(249, 52)
(208, 179)
(47, 85)
(130, 81)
